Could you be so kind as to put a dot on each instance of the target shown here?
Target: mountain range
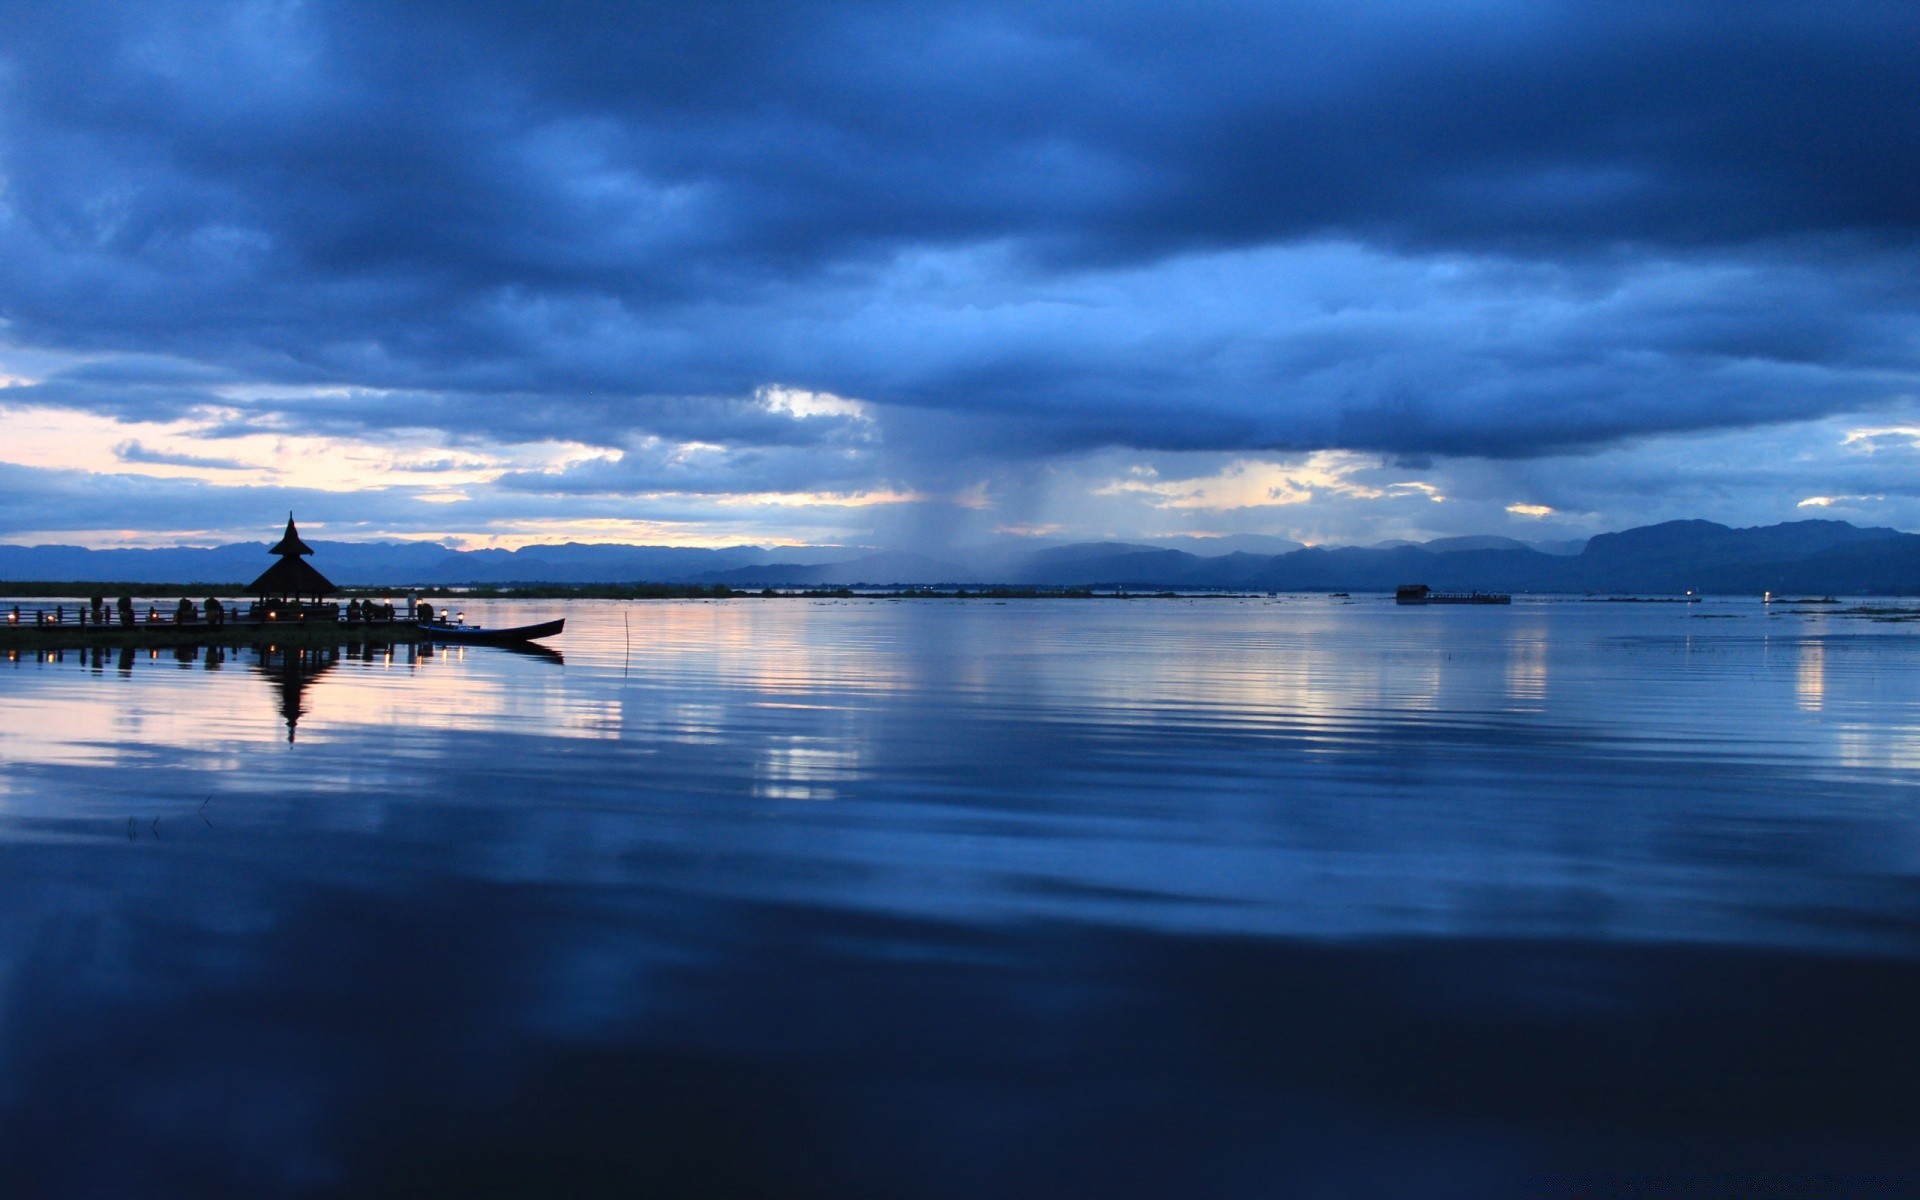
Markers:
(1677, 556)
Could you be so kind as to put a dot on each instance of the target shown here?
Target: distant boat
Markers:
(1420, 593)
(441, 631)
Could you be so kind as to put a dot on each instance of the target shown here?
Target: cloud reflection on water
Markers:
(1294, 767)
(859, 895)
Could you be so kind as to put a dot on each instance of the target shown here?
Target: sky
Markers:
(935, 274)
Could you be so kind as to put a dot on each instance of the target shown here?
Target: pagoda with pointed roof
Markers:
(292, 578)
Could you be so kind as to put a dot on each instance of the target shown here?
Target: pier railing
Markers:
(81, 616)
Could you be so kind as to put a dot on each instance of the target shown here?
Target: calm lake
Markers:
(852, 898)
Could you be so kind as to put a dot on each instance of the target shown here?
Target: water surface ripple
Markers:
(1249, 897)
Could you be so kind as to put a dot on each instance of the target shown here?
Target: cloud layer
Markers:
(997, 238)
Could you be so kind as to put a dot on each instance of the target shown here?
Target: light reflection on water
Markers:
(702, 797)
(1286, 767)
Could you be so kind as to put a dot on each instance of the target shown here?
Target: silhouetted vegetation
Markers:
(720, 591)
(617, 591)
(585, 591)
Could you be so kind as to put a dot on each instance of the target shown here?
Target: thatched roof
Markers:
(290, 543)
(292, 576)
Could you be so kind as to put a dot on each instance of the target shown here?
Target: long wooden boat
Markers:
(1420, 593)
(438, 631)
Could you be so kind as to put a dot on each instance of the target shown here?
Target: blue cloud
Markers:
(1018, 231)
(131, 451)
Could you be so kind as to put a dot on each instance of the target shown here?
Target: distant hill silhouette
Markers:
(1454, 545)
(869, 569)
(1796, 557)
(1820, 556)
(382, 563)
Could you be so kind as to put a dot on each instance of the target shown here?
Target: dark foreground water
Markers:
(965, 899)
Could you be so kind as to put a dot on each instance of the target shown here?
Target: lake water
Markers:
(849, 898)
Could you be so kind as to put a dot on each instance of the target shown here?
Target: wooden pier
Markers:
(142, 635)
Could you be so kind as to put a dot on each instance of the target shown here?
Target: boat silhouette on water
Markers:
(460, 631)
(1420, 593)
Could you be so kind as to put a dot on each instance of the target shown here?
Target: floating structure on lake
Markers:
(293, 605)
(1420, 593)
(283, 588)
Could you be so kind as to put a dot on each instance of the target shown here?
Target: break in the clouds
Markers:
(870, 272)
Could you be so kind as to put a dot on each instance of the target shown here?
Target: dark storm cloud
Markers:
(1476, 228)
(721, 470)
(134, 387)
